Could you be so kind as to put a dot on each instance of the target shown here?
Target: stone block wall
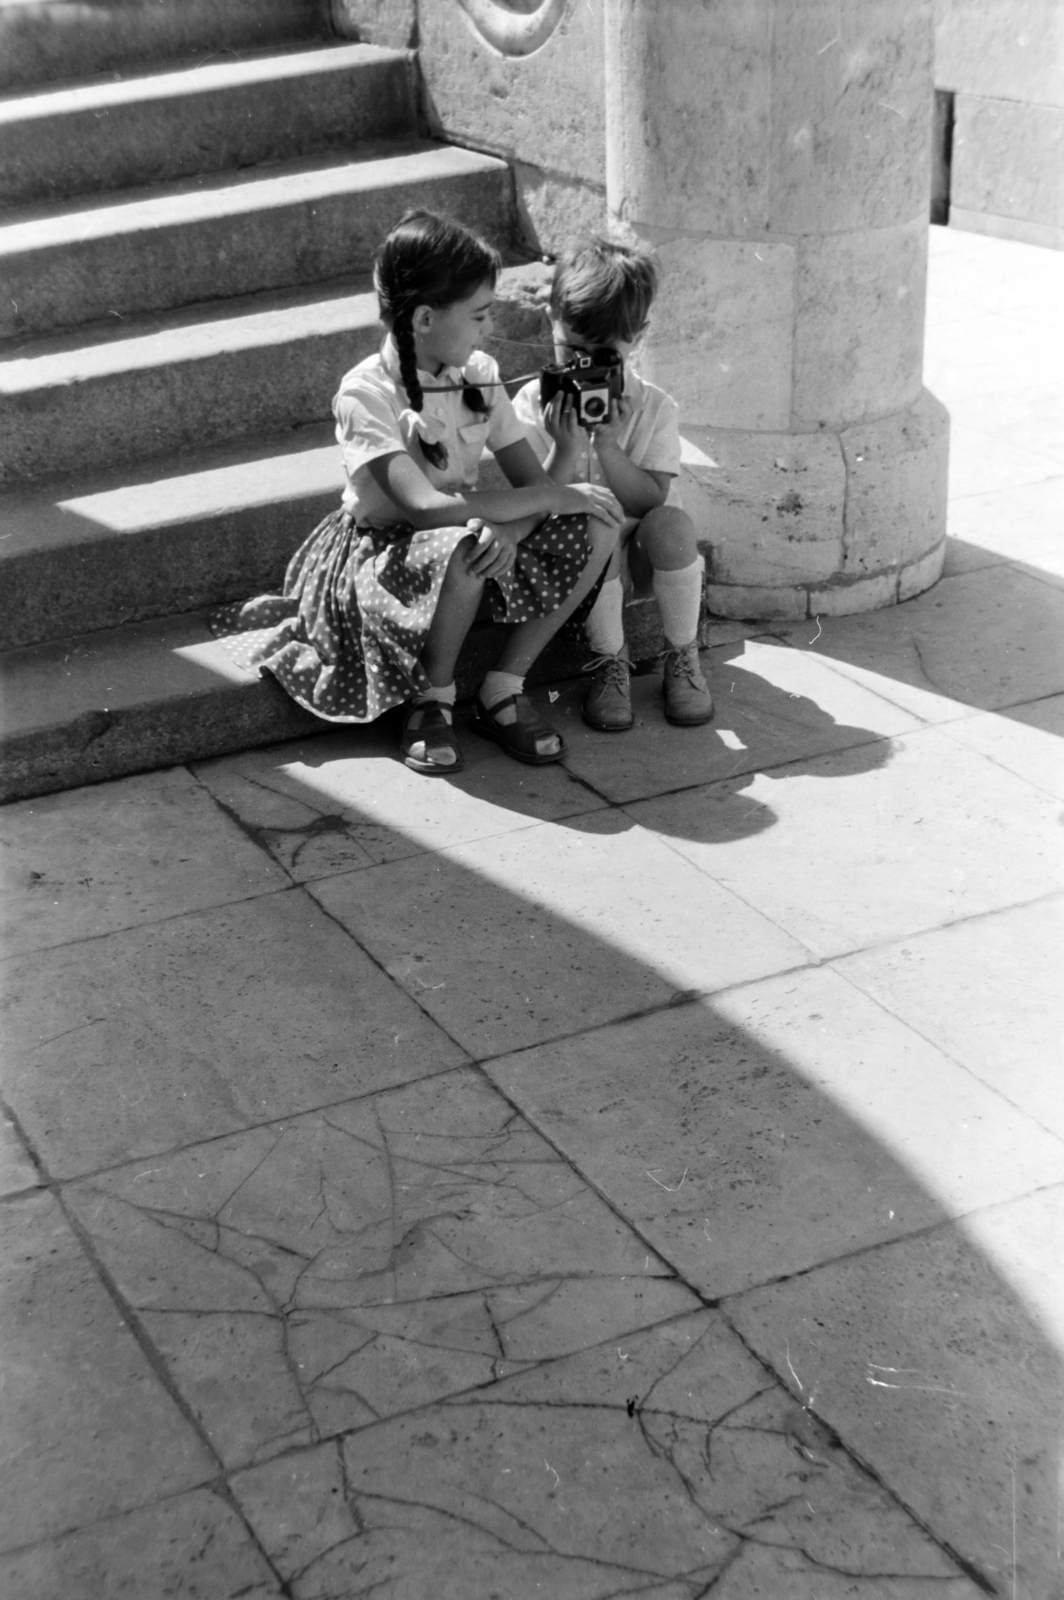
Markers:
(1003, 63)
(520, 79)
(776, 157)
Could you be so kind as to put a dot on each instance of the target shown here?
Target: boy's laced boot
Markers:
(688, 701)
(608, 702)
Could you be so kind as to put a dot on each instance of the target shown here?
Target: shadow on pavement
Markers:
(459, 1145)
(330, 1224)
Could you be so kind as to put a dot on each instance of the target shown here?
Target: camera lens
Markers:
(594, 407)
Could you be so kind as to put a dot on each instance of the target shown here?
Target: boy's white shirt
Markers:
(650, 438)
(373, 418)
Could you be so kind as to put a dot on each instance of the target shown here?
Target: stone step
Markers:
(45, 40)
(143, 539)
(169, 536)
(108, 135)
(154, 694)
(257, 366)
(174, 382)
(149, 695)
(225, 235)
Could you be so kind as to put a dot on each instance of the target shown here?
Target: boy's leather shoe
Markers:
(608, 702)
(688, 701)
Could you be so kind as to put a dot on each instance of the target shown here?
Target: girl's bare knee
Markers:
(602, 538)
(458, 567)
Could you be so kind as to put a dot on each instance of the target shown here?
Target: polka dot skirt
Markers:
(344, 636)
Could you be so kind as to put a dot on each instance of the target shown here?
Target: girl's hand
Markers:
(494, 553)
(589, 499)
(610, 432)
(559, 419)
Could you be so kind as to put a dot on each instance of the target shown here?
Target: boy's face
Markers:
(566, 341)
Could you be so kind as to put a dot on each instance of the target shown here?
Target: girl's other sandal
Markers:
(526, 737)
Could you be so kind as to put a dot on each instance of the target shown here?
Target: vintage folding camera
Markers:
(593, 378)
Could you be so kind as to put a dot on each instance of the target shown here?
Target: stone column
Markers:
(776, 154)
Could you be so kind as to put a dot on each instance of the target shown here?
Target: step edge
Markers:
(252, 331)
(456, 161)
(101, 92)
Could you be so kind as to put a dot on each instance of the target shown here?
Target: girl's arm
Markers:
(523, 470)
(425, 506)
(521, 465)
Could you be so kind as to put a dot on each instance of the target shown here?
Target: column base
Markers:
(825, 523)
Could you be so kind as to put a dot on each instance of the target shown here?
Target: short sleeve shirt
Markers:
(650, 438)
(373, 418)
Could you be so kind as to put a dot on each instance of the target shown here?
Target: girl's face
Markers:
(446, 336)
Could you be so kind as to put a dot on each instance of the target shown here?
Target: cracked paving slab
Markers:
(83, 1412)
(984, 639)
(610, 921)
(666, 1465)
(1027, 741)
(938, 833)
(773, 705)
(344, 801)
(320, 1274)
(117, 855)
(222, 1019)
(189, 1547)
(938, 1359)
(958, 986)
(17, 1171)
(757, 1134)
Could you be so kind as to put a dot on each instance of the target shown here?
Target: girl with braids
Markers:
(379, 599)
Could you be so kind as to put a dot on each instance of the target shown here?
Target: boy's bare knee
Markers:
(667, 537)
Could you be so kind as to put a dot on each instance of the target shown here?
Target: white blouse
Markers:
(374, 418)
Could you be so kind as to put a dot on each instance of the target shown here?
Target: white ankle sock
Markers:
(500, 686)
(679, 596)
(604, 628)
(443, 694)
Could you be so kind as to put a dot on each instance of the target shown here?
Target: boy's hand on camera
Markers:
(560, 422)
(494, 554)
(594, 499)
(609, 433)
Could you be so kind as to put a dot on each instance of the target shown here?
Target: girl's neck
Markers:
(426, 364)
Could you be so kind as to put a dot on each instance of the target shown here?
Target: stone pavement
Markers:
(643, 1178)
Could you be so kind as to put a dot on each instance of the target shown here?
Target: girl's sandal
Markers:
(520, 737)
(427, 727)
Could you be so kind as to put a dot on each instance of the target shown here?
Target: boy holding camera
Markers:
(590, 419)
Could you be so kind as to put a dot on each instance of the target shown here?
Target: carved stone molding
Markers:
(510, 32)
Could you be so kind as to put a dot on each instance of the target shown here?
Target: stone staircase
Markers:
(185, 243)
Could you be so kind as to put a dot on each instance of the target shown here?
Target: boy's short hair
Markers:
(603, 290)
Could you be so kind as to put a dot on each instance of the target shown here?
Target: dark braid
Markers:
(428, 260)
(435, 453)
(403, 333)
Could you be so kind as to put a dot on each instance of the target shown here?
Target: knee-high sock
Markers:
(679, 596)
(604, 628)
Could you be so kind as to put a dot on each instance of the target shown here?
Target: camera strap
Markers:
(477, 383)
(496, 383)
